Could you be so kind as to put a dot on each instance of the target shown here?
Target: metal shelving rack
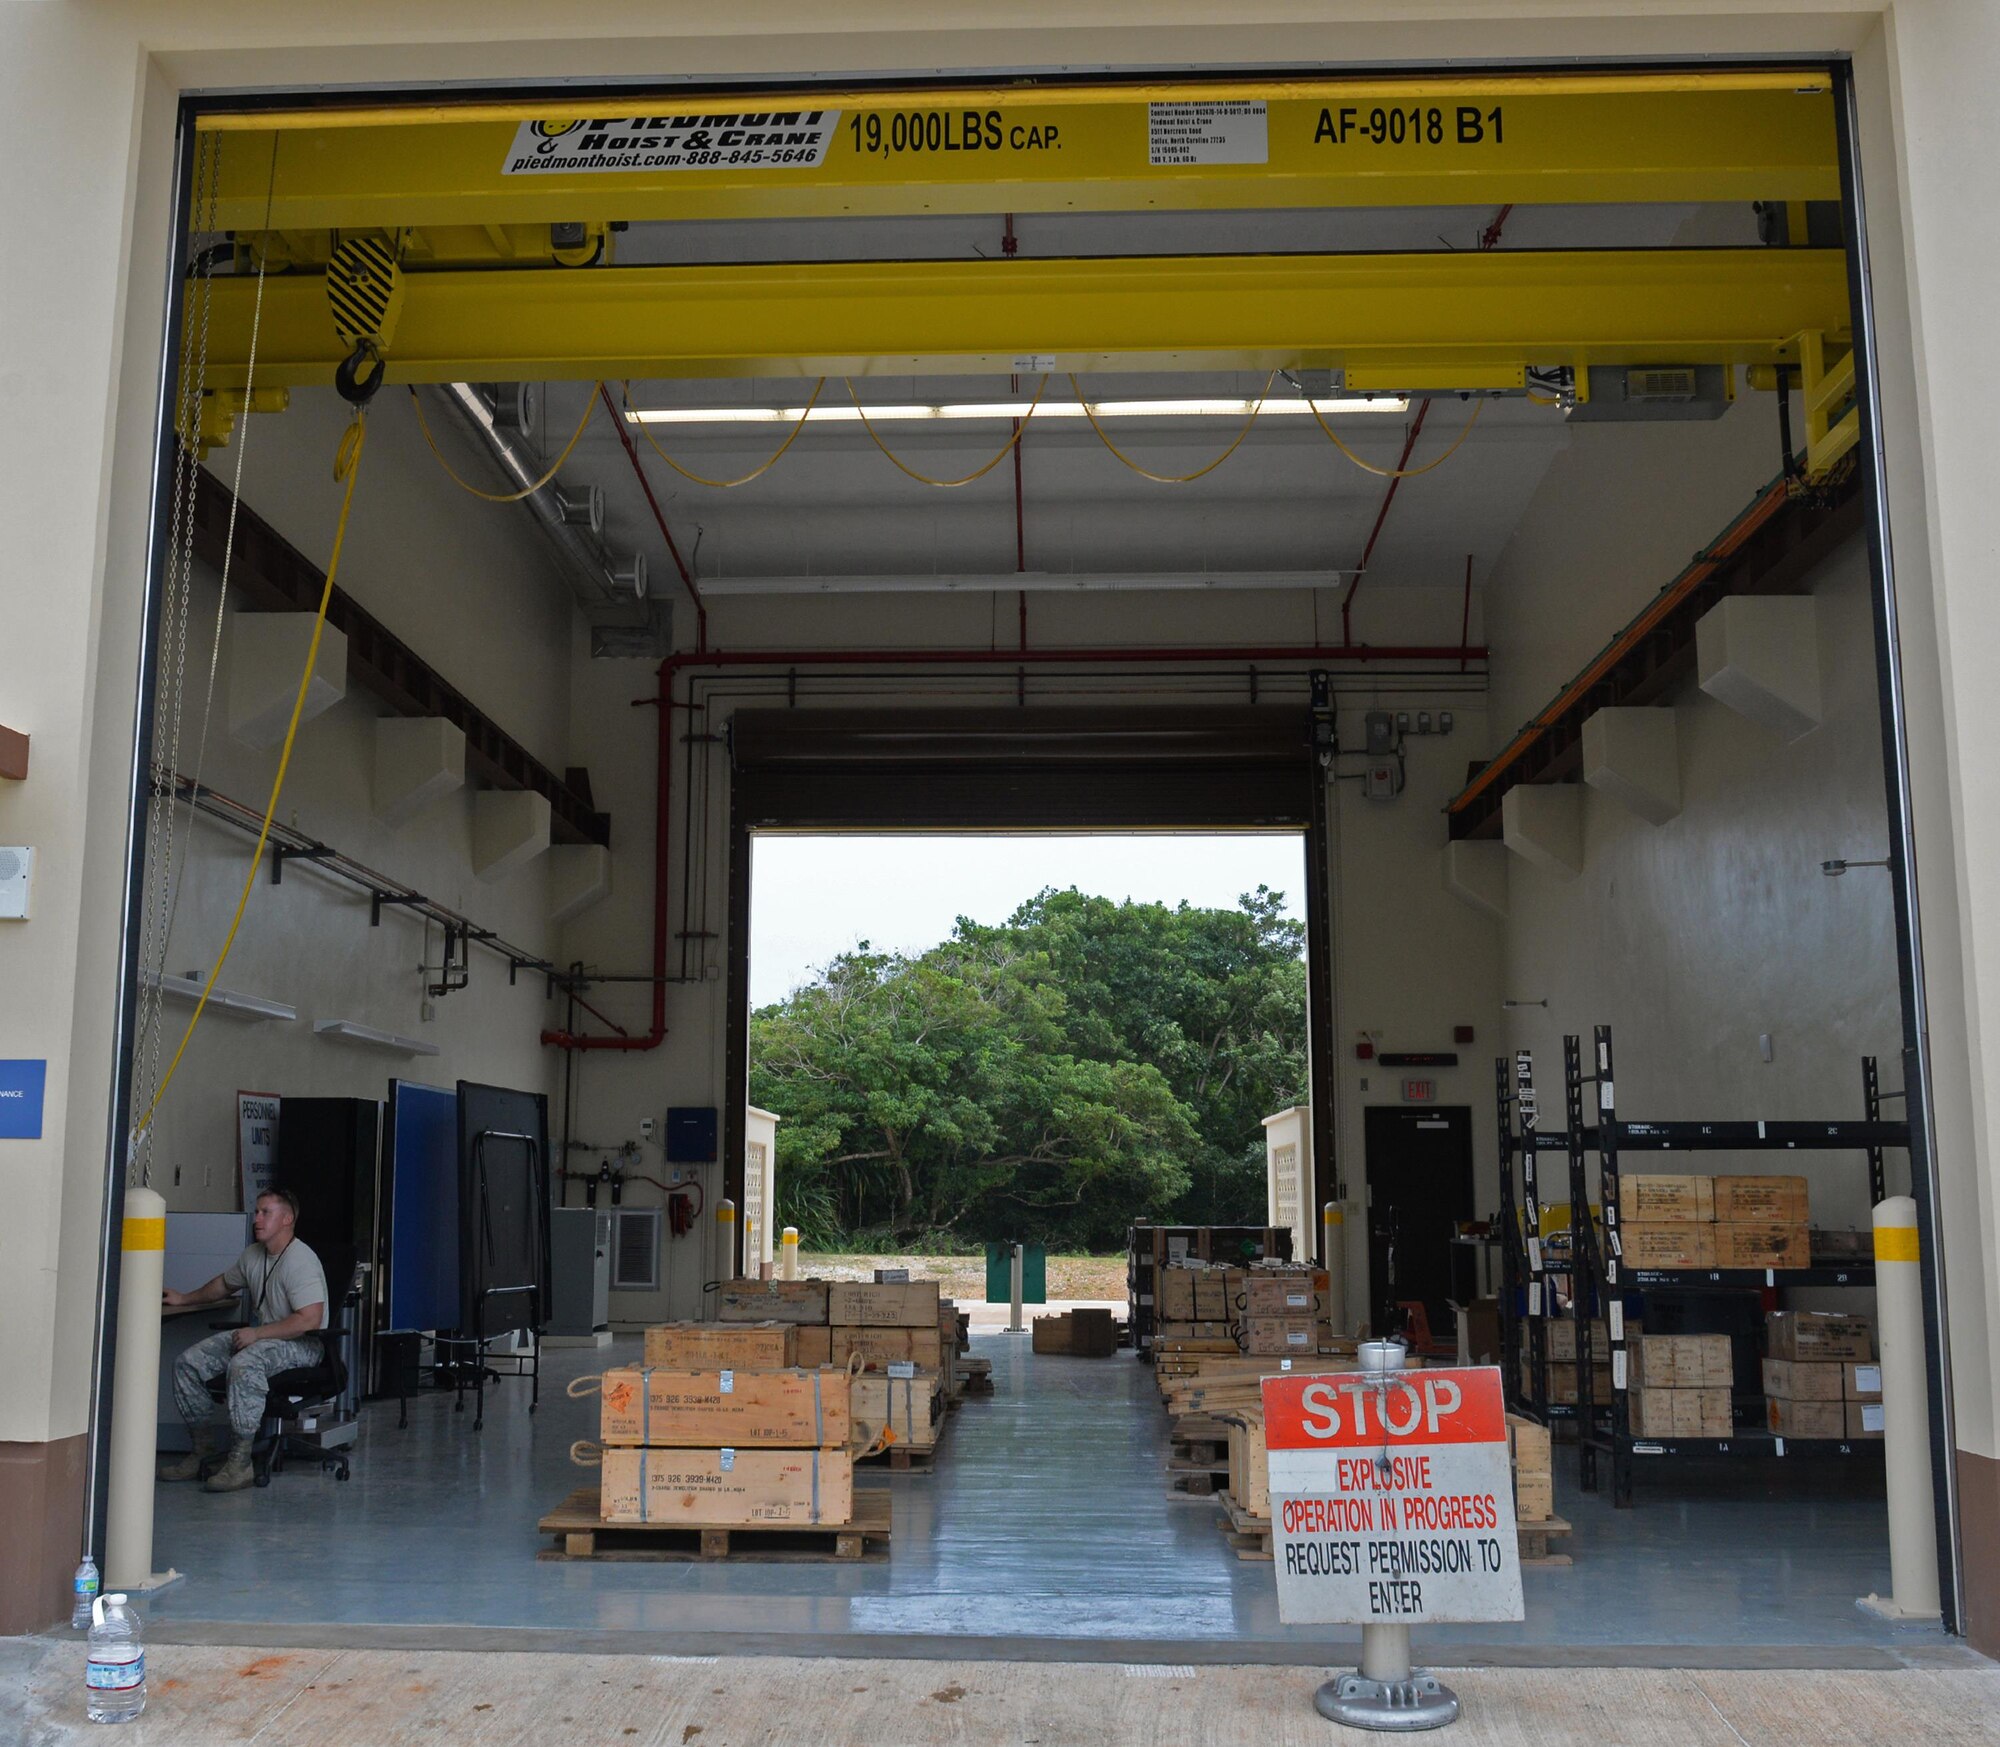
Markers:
(1523, 1275)
(1601, 1276)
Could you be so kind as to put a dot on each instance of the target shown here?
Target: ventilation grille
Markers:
(635, 1250)
(1660, 384)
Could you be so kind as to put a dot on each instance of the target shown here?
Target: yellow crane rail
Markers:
(1389, 322)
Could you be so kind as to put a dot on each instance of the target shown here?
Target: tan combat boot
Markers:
(235, 1473)
(188, 1467)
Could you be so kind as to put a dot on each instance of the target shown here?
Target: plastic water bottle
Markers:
(116, 1672)
(85, 1585)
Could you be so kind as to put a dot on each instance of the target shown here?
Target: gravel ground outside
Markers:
(1088, 1279)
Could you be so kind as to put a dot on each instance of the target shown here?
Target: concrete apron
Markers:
(202, 1695)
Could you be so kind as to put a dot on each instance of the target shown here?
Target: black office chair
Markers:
(304, 1386)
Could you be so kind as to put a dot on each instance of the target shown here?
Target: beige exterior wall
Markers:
(93, 89)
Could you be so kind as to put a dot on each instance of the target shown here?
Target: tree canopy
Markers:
(1052, 1078)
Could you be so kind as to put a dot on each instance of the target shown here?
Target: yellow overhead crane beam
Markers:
(1390, 322)
(1213, 145)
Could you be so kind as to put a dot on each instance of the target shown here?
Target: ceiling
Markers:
(835, 514)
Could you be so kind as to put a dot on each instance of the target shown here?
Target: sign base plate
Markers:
(1404, 1706)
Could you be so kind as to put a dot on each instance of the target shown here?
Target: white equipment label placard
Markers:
(1208, 133)
(763, 139)
(1392, 1502)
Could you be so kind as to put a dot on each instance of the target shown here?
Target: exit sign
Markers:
(1420, 1091)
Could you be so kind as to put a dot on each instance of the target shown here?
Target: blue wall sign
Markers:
(21, 1086)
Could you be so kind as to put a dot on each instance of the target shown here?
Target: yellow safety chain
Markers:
(347, 467)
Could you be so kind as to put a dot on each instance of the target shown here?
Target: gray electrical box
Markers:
(579, 1270)
(1380, 728)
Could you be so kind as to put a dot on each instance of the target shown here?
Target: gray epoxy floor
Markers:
(1046, 1520)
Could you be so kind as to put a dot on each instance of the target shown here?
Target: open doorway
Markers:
(977, 1039)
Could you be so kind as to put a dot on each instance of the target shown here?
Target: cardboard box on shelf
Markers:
(1864, 1419)
(1290, 1335)
(1817, 1334)
(814, 1346)
(1562, 1382)
(1682, 1361)
(891, 1304)
(1861, 1381)
(1806, 1419)
(798, 1301)
(725, 1487)
(1803, 1379)
(1651, 1412)
(1763, 1245)
(706, 1346)
(1760, 1200)
(1668, 1245)
(879, 1347)
(707, 1409)
(1651, 1198)
(1562, 1339)
(1701, 1413)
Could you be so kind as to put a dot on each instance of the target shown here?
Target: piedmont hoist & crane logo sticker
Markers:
(757, 139)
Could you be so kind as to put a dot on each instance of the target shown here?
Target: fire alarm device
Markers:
(17, 868)
(1364, 1051)
(1382, 781)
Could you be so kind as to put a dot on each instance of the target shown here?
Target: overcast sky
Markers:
(814, 897)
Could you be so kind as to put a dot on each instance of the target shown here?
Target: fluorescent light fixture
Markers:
(846, 413)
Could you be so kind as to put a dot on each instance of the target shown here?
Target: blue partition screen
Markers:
(423, 1251)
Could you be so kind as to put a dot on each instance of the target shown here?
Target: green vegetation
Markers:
(1050, 1079)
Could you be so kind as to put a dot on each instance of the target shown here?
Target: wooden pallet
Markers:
(1249, 1535)
(1537, 1541)
(975, 1376)
(1197, 1479)
(580, 1534)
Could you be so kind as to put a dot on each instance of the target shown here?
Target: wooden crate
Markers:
(580, 1534)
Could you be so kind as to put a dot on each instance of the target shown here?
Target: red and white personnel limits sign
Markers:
(1391, 1498)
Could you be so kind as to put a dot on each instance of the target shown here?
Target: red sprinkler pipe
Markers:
(666, 534)
(1488, 238)
(781, 658)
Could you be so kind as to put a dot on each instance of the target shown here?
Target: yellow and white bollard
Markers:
(1333, 1258)
(725, 1239)
(1906, 1417)
(135, 1397)
(788, 1254)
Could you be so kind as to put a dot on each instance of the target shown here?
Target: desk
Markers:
(199, 1247)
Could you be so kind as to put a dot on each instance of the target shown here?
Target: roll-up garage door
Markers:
(1046, 769)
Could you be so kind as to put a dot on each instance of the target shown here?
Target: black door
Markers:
(1419, 1188)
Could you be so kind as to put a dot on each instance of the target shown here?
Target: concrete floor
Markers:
(1046, 1533)
(386, 1698)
